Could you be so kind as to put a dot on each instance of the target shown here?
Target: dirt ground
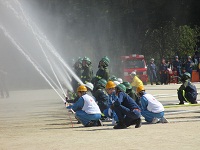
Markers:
(38, 120)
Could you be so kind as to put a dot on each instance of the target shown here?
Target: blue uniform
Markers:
(163, 73)
(156, 110)
(188, 66)
(177, 67)
(126, 109)
(152, 73)
(109, 112)
(81, 115)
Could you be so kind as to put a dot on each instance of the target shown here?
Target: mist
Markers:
(77, 29)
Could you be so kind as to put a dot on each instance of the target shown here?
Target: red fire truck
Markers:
(135, 63)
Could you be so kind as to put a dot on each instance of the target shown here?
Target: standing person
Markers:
(163, 72)
(135, 80)
(103, 72)
(86, 109)
(151, 109)
(187, 91)
(128, 112)
(152, 72)
(188, 65)
(87, 70)
(3, 84)
(176, 65)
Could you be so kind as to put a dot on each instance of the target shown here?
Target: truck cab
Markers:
(135, 63)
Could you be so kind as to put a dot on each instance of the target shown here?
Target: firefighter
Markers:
(87, 70)
(151, 109)
(78, 71)
(187, 91)
(128, 112)
(101, 95)
(131, 92)
(163, 72)
(135, 80)
(152, 72)
(86, 110)
(113, 78)
(103, 72)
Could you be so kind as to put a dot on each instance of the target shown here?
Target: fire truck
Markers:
(135, 63)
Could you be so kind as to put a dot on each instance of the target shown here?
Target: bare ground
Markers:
(38, 120)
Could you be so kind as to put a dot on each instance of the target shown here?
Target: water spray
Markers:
(30, 60)
(43, 38)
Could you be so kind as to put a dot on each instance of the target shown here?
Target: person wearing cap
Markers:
(136, 82)
(152, 72)
(151, 109)
(100, 95)
(176, 66)
(187, 91)
(163, 72)
(188, 65)
(126, 109)
(86, 109)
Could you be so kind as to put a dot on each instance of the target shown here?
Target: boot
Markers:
(138, 123)
(181, 102)
(99, 123)
(157, 83)
(90, 124)
(120, 125)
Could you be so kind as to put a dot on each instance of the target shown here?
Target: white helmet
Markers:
(133, 73)
(119, 80)
(116, 82)
(89, 85)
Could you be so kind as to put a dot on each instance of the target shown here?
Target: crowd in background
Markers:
(160, 73)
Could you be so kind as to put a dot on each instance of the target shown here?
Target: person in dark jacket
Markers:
(101, 95)
(176, 65)
(128, 112)
(152, 72)
(131, 92)
(103, 72)
(163, 72)
(187, 91)
(87, 70)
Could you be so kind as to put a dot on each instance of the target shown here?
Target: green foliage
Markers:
(169, 40)
(188, 38)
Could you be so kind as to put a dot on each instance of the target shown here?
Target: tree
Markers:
(162, 42)
(188, 38)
